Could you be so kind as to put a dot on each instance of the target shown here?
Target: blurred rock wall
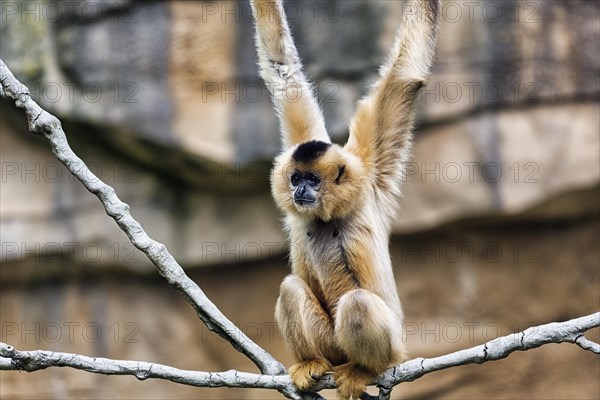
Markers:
(165, 98)
(501, 280)
(498, 226)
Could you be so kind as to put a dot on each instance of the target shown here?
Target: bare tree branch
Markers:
(497, 349)
(569, 331)
(37, 360)
(43, 123)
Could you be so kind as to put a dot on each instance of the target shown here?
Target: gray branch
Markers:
(570, 331)
(12, 359)
(49, 126)
(556, 332)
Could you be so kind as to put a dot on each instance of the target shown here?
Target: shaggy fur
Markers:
(339, 310)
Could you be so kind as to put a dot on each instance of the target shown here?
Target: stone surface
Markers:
(539, 154)
(170, 91)
(459, 287)
(498, 225)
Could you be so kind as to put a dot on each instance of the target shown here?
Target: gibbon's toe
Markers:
(305, 374)
(352, 380)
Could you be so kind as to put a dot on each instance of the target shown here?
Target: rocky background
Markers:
(498, 227)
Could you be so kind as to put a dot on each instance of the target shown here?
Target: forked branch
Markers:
(41, 122)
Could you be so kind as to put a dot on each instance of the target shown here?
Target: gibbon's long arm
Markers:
(380, 132)
(280, 67)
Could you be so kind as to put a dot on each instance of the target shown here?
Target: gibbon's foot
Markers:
(352, 380)
(306, 373)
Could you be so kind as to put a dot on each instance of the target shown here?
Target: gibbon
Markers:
(339, 309)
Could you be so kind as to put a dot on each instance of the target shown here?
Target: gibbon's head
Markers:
(318, 179)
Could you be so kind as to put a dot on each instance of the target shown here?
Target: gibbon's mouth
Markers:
(304, 201)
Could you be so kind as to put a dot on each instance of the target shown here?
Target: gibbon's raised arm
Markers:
(380, 132)
(280, 67)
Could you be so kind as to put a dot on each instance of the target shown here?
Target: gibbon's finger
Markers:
(280, 67)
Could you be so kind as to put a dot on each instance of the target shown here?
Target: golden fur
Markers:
(339, 310)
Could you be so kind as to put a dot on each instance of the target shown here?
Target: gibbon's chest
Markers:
(327, 248)
(326, 240)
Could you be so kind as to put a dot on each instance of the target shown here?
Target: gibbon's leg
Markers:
(307, 330)
(280, 67)
(370, 335)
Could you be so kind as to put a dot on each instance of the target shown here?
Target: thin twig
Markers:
(587, 344)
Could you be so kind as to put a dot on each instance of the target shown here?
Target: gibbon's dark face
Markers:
(305, 181)
(306, 185)
(318, 179)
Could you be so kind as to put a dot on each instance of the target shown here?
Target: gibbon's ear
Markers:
(341, 171)
(299, 114)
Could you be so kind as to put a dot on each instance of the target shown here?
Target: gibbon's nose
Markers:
(300, 191)
(303, 195)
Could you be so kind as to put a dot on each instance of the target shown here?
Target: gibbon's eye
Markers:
(295, 179)
(312, 179)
